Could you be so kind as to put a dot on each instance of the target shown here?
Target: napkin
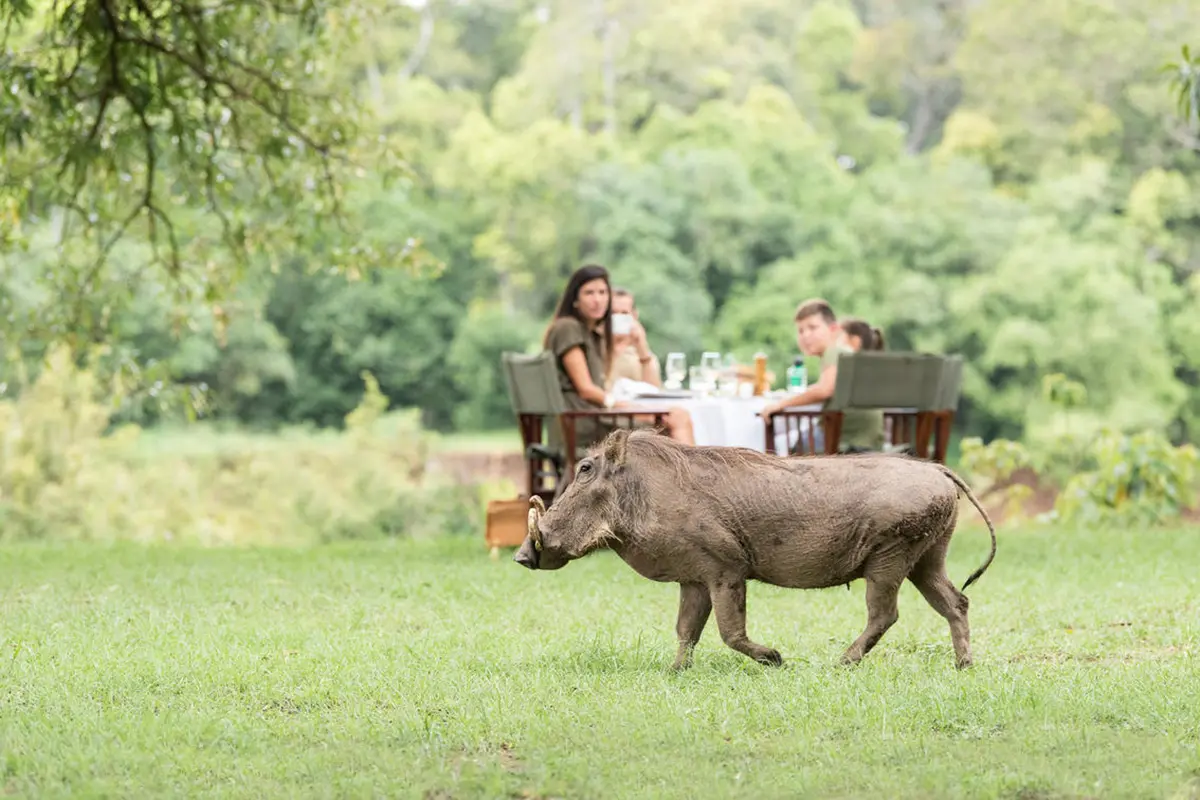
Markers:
(626, 389)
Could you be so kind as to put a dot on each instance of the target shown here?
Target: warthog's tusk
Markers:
(536, 507)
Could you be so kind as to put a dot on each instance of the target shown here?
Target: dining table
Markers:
(726, 420)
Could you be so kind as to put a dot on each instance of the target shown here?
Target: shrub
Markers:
(1136, 479)
(62, 477)
(1108, 477)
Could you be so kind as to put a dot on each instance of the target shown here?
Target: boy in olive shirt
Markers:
(817, 335)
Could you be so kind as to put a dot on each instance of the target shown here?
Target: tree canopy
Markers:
(1014, 181)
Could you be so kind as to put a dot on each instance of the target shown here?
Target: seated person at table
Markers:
(817, 334)
(580, 337)
(632, 357)
(858, 335)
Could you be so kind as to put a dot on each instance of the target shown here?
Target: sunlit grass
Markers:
(423, 669)
(503, 441)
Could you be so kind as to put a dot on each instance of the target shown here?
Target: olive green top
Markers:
(861, 427)
(565, 334)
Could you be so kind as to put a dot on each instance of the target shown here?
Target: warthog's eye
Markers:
(585, 467)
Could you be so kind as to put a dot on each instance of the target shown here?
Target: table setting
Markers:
(724, 399)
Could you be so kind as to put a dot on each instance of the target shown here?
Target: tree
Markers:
(209, 130)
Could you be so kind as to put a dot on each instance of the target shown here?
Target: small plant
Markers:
(1138, 479)
(1066, 452)
(1111, 477)
(997, 462)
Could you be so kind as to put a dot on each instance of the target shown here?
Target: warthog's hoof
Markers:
(770, 658)
(963, 663)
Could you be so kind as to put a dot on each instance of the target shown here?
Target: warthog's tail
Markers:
(961, 484)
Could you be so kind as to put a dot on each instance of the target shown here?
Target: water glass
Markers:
(676, 370)
(728, 378)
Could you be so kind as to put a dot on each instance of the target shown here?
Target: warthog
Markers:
(711, 518)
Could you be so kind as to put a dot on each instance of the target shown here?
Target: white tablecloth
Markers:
(729, 421)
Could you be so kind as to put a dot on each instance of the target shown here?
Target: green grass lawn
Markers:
(425, 670)
(505, 441)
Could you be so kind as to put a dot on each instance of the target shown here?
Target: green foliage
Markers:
(186, 125)
(62, 478)
(1139, 479)
(474, 360)
(996, 460)
(1106, 477)
(724, 160)
(1185, 80)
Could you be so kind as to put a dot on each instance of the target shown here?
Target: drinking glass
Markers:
(696, 380)
(728, 379)
(676, 370)
(710, 364)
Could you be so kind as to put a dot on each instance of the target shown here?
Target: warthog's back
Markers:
(804, 522)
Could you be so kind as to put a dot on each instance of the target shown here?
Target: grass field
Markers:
(425, 670)
(505, 441)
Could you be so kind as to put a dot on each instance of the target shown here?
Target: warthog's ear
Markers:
(614, 447)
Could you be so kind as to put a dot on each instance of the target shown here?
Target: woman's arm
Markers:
(650, 370)
(575, 363)
(649, 363)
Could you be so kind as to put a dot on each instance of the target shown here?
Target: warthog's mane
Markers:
(683, 458)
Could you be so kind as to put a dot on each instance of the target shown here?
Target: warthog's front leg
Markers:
(729, 601)
(695, 605)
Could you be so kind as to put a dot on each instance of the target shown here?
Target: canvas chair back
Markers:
(887, 380)
(533, 386)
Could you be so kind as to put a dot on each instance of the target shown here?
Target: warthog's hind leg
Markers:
(695, 605)
(929, 576)
(729, 601)
(882, 614)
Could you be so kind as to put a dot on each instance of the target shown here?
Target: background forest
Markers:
(1012, 181)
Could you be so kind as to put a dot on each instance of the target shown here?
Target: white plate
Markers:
(665, 395)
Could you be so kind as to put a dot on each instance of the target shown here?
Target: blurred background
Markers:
(1011, 181)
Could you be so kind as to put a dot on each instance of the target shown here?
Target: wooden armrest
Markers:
(640, 411)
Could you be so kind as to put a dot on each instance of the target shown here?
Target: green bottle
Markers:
(797, 376)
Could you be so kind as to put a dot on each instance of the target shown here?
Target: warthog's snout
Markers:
(527, 555)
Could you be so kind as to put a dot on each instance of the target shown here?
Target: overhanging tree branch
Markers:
(223, 96)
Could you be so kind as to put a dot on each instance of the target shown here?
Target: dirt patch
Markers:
(1134, 656)
(509, 760)
(1023, 495)
(467, 468)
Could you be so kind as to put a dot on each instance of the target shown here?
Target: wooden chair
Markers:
(946, 405)
(536, 398)
(904, 386)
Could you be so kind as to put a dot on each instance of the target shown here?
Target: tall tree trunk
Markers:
(609, 67)
(424, 39)
(570, 29)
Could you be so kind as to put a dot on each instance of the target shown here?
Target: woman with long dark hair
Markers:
(580, 337)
